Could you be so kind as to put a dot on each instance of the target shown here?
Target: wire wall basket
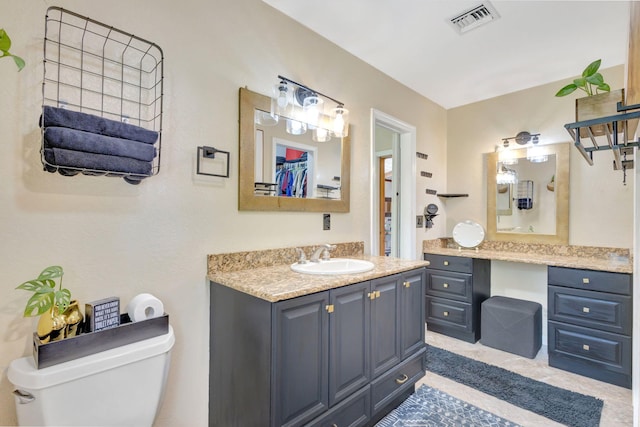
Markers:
(102, 99)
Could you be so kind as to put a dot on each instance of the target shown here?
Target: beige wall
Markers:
(116, 239)
(600, 206)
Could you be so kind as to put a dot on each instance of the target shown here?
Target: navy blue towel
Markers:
(98, 162)
(53, 116)
(78, 140)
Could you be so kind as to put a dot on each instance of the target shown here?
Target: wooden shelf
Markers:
(452, 195)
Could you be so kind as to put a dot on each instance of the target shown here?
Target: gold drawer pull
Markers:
(403, 379)
(585, 309)
(445, 314)
(407, 284)
(371, 295)
(377, 294)
(585, 347)
(329, 308)
(446, 263)
(445, 285)
(585, 280)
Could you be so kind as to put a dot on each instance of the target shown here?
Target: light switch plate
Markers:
(326, 221)
(419, 221)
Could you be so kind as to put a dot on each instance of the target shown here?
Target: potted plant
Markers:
(59, 315)
(5, 45)
(600, 101)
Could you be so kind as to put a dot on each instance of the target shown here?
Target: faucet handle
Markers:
(325, 252)
(302, 258)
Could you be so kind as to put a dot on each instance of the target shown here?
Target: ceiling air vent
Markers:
(473, 18)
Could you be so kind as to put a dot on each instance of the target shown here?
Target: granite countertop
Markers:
(590, 260)
(279, 282)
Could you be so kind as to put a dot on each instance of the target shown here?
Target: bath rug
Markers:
(429, 407)
(564, 406)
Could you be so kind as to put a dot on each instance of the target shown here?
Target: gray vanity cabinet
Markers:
(590, 323)
(342, 356)
(455, 289)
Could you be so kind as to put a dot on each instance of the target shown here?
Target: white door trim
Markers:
(407, 190)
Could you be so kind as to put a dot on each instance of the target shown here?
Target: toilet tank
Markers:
(121, 386)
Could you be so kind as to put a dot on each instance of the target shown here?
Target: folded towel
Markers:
(78, 140)
(98, 162)
(53, 116)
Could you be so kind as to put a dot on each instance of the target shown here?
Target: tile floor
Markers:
(617, 410)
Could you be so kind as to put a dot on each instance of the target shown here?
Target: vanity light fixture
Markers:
(506, 175)
(522, 138)
(304, 108)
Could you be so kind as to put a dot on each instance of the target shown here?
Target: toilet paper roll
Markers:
(143, 307)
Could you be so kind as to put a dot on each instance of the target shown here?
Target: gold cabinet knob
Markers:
(445, 285)
(585, 347)
(407, 284)
(585, 309)
(585, 280)
(445, 314)
(446, 263)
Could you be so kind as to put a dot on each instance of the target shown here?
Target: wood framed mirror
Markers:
(327, 176)
(536, 208)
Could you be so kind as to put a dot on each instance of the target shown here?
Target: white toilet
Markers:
(119, 387)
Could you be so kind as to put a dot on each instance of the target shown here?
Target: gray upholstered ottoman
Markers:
(512, 325)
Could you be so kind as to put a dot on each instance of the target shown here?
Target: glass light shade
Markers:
(507, 157)
(311, 108)
(265, 119)
(281, 99)
(295, 127)
(536, 155)
(340, 119)
(321, 135)
(506, 175)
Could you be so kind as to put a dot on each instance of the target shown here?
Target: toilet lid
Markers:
(468, 234)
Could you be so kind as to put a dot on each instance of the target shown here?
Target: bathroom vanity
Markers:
(589, 295)
(291, 349)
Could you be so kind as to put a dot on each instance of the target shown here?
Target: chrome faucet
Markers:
(324, 251)
(302, 258)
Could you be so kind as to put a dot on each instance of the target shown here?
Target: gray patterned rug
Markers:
(563, 406)
(428, 407)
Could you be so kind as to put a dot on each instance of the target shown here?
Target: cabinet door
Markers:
(348, 340)
(300, 354)
(412, 313)
(385, 324)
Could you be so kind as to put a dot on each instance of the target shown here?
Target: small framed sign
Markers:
(102, 314)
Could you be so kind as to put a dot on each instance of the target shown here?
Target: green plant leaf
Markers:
(62, 299)
(51, 272)
(604, 87)
(567, 90)
(581, 82)
(591, 68)
(5, 41)
(19, 62)
(595, 79)
(38, 304)
(33, 286)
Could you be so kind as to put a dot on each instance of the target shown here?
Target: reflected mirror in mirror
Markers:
(527, 196)
(286, 167)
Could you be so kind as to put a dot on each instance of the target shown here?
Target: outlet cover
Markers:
(326, 221)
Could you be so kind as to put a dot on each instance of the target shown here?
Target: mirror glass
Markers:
(286, 172)
(534, 206)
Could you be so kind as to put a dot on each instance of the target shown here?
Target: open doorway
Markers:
(396, 140)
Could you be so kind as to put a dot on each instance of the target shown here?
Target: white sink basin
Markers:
(334, 266)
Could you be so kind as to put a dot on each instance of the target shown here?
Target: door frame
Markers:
(407, 169)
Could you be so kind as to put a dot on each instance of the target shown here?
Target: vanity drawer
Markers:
(604, 311)
(450, 263)
(601, 350)
(390, 385)
(353, 411)
(445, 312)
(591, 280)
(449, 285)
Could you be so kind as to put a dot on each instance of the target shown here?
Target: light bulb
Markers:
(311, 109)
(295, 127)
(321, 135)
(340, 125)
